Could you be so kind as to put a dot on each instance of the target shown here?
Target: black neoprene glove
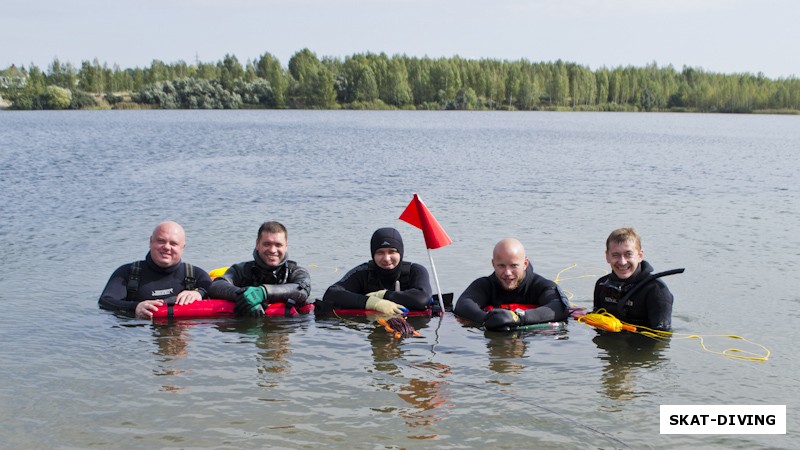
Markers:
(285, 292)
(501, 320)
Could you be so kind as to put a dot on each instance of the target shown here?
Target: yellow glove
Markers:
(379, 294)
(385, 306)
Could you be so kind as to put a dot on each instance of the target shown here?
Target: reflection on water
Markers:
(422, 386)
(624, 355)
(505, 350)
(272, 340)
(172, 342)
(428, 397)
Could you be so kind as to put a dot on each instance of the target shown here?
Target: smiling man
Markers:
(630, 292)
(386, 284)
(487, 299)
(142, 286)
(270, 277)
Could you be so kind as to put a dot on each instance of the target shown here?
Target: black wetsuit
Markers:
(534, 290)
(255, 273)
(650, 305)
(154, 283)
(349, 292)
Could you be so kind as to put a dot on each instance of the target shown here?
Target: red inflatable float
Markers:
(222, 308)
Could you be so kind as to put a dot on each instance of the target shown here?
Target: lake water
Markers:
(81, 192)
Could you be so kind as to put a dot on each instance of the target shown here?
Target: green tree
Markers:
(62, 75)
(207, 71)
(249, 73)
(230, 70)
(497, 87)
(559, 83)
(257, 92)
(356, 81)
(91, 77)
(269, 68)
(529, 86)
(158, 72)
(399, 91)
(582, 85)
(444, 80)
(419, 79)
(57, 97)
(81, 100)
(466, 99)
(603, 86)
(379, 66)
(181, 70)
(314, 81)
(512, 84)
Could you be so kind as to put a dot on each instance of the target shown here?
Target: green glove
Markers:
(254, 295)
(248, 302)
(385, 306)
(379, 294)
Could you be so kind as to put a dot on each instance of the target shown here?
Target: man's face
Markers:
(166, 246)
(271, 247)
(509, 268)
(387, 258)
(624, 258)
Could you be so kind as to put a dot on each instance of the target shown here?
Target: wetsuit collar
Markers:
(386, 277)
(156, 268)
(642, 271)
(261, 264)
(522, 285)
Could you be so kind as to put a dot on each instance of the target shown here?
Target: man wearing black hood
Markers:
(386, 284)
(513, 281)
(270, 277)
(631, 292)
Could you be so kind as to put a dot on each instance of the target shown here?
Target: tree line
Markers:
(378, 81)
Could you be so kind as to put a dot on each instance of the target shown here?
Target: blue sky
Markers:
(725, 36)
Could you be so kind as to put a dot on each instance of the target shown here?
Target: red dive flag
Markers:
(417, 214)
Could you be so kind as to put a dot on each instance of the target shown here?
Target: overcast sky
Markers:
(724, 36)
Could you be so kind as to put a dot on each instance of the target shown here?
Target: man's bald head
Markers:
(508, 246)
(167, 243)
(509, 262)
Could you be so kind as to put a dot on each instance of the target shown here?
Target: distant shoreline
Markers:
(379, 82)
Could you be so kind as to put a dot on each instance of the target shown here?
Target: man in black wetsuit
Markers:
(386, 284)
(270, 277)
(513, 281)
(141, 287)
(647, 301)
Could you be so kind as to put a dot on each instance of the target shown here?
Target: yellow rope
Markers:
(558, 280)
(604, 320)
(734, 352)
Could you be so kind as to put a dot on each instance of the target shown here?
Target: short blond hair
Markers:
(621, 235)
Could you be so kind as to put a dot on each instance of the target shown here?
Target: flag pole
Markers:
(438, 287)
(417, 214)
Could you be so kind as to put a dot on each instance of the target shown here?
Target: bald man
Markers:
(142, 286)
(513, 282)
